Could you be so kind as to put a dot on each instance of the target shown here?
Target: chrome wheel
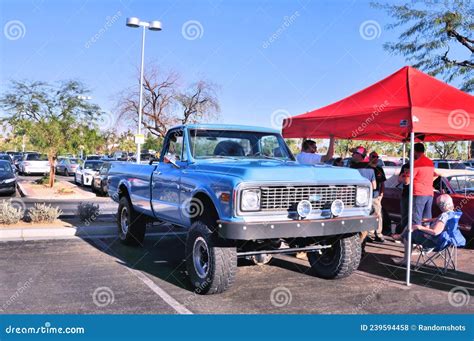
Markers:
(124, 221)
(201, 257)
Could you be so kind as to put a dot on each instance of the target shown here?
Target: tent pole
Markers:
(404, 153)
(410, 207)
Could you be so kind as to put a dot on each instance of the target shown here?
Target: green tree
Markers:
(438, 38)
(52, 116)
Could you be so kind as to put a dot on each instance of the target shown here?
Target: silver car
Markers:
(67, 166)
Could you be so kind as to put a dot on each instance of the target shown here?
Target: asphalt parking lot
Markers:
(104, 276)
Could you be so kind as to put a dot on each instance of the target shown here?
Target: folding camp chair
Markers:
(447, 249)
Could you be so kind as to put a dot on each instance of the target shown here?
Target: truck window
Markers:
(175, 144)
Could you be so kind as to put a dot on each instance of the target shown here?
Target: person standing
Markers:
(358, 162)
(422, 178)
(308, 154)
(378, 194)
(404, 179)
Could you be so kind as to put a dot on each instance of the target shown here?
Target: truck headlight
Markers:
(362, 196)
(250, 200)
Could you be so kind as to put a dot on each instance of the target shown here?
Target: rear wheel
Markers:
(66, 172)
(131, 224)
(211, 266)
(338, 261)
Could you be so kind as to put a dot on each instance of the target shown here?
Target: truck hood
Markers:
(269, 170)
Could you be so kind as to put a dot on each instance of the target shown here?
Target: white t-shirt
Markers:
(308, 158)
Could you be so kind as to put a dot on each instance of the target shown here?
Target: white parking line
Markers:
(180, 309)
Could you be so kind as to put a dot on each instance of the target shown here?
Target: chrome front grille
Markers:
(283, 198)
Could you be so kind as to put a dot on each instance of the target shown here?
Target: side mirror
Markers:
(171, 158)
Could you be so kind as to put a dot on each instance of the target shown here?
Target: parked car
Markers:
(449, 164)
(93, 157)
(459, 184)
(85, 173)
(7, 178)
(99, 183)
(6, 157)
(67, 166)
(34, 163)
(239, 192)
(469, 164)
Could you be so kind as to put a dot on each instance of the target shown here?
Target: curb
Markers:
(23, 234)
(21, 190)
(80, 232)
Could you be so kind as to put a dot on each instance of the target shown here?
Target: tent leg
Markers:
(410, 208)
(404, 154)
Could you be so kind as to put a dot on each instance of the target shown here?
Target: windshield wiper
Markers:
(269, 157)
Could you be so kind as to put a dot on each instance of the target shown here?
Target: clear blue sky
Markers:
(318, 57)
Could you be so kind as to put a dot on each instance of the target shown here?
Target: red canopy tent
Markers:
(406, 105)
(406, 101)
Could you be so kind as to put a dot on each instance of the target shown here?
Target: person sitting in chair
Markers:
(430, 237)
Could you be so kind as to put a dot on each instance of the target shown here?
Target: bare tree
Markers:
(165, 104)
(199, 102)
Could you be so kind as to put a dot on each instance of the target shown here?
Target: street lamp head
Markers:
(155, 25)
(133, 22)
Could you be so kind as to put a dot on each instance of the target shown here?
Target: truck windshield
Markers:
(207, 144)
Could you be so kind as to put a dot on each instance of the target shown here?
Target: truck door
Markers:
(166, 178)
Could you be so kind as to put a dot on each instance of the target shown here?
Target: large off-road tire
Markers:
(339, 261)
(211, 265)
(131, 224)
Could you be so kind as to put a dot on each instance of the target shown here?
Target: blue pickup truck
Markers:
(239, 192)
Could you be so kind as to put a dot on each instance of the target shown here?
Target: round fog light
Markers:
(337, 207)
(304, 208)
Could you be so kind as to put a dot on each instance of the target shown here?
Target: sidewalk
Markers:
(103, 226)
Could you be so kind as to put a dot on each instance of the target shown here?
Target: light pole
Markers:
(153, 26)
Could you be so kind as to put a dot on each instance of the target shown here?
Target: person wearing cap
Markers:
(378, 194)
(358, 162)
(308, 154)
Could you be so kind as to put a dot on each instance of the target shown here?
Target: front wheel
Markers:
(211, 266)
(131, 224)
(66, 172)
(338, 261)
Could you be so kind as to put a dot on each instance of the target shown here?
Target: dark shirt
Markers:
(405, 190)
(379, 178)
(367, 172)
